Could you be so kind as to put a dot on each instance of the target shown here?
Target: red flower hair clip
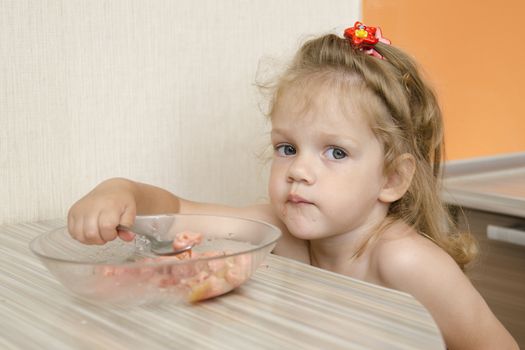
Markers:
(364, 38)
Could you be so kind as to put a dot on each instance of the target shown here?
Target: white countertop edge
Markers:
(456, 193)
(460, 167)
(500, 205)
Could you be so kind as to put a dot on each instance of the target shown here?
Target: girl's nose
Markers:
(301, 170)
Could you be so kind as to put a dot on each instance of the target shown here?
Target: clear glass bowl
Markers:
(128, 273)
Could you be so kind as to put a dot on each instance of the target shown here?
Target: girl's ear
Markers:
(398, 179)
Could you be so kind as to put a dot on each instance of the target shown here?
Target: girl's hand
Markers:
(94, 218)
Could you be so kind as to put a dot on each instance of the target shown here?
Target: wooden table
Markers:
(286, 305)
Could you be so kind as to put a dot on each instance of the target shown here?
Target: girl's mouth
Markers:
(296, 199)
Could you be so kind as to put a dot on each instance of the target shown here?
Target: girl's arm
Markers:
(93, 219)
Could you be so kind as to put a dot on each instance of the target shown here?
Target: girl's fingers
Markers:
(100, 227)
(127, 218)
(91, 231)
(71, 225)
(107, 225)
(126, 236)
(78, 229)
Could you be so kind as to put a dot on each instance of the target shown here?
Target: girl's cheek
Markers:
(274, 184)
(272, 189)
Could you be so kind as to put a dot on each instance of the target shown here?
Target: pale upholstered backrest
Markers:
(157, 91)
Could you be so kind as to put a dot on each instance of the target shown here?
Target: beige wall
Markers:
(473, 51)
(158, 91)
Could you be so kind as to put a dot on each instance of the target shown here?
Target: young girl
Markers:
(354, 184)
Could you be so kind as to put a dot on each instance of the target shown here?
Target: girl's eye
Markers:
(285, 150)
(335, 153)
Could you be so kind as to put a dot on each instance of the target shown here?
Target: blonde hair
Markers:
(405, 117)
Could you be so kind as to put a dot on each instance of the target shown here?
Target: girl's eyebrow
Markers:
(335, 138)
(278, 132)
(338, 138)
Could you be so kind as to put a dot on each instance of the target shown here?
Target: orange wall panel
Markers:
(473, 53)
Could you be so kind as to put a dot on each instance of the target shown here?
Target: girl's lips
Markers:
(296, 199)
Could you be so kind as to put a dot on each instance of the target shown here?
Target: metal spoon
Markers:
(158, 247)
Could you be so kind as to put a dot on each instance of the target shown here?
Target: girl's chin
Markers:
(305, 230)
(303, 221)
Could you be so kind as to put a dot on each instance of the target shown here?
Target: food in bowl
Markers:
(208, 281)
(229, 250)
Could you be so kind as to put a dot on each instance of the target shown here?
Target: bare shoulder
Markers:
(402, 252)
(412, 263)
(407, 261)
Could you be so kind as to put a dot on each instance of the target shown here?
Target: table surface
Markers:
(285, 305)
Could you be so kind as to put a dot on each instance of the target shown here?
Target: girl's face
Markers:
(327, 168)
